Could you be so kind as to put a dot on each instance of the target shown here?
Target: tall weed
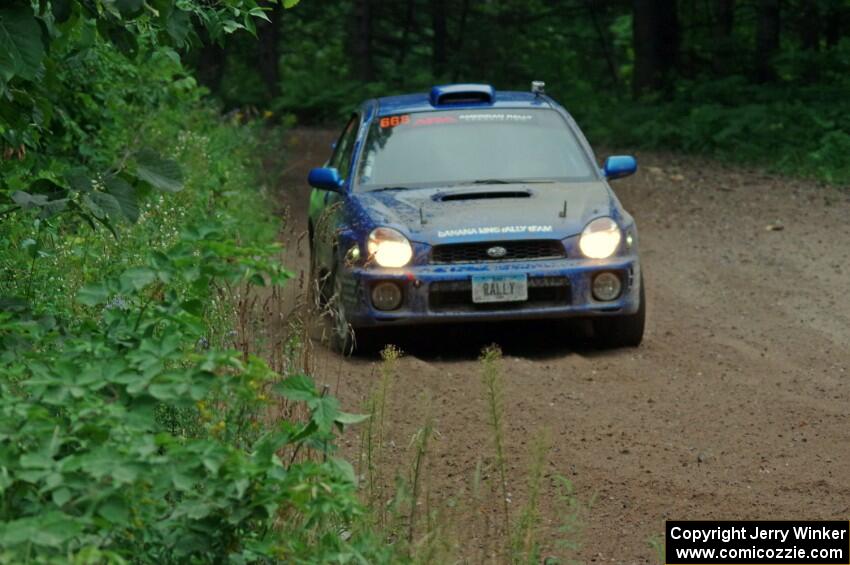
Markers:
(491, 378)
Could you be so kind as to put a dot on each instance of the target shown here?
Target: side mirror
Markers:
(619, 166)
(325, 178)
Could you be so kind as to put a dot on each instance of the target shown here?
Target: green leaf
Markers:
(26, 200)
(54, 207)
(136, 278)
(344, 468)
(79, 180)
(178, 26)
(108, 203)
(125, 196)
(105, 221)
(92, 294)
(115, 510)
(36, 460)
(42, 189)
(290, 3)
(258, 12)
(193, 306)
(21, 49)
(163, 174)
(163, 391)
(88, 204)
(230, 26)
(47, 529)
(61, 496)
(348, 419)
(297, 387)
(129, 8)
(325, 411)
(181, 480)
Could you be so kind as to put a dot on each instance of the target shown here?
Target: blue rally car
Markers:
(470, 204)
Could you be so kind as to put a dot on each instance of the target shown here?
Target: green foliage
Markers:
(127, 434)
(69, 71)
(130, 430)
(792, 127)
(88, 465)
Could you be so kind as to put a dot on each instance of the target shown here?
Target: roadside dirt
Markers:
(736, 405)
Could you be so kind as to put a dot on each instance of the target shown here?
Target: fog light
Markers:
(606, 286)
(386, 296)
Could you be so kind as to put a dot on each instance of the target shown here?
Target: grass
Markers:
(492, 380)
(372, 438)
(461, 527)
(525, 545)
(420, 445)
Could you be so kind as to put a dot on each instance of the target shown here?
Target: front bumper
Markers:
(559, 288)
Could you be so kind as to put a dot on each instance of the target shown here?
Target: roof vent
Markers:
(462, 94)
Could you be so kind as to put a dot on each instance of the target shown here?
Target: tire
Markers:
(346, 339)
(622, 331)
(319, 283)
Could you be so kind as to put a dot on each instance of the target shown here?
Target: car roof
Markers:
(421, 102)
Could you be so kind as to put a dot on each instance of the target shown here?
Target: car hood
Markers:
(486, 213)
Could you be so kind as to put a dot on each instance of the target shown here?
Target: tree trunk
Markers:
(810, 26)
(835, 28)
(459, 39)
(439, 52)
(725, 18)
(724, 50)
(362, 41)
(604, 43)
(409, 21)
(767, 40)
(655, 28)
(268, 47)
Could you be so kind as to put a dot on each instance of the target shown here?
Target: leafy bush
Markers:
(91, 463)
(130, 430)
(126, 435)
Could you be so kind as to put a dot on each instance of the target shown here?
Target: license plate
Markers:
(500, 288)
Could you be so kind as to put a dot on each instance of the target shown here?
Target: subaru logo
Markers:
(497, 252)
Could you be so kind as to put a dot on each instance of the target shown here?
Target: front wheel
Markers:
(622, 331)
(345, 338)
(319, 284)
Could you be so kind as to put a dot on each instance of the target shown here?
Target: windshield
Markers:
(469, 146)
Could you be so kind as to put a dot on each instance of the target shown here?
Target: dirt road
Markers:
(736, 406)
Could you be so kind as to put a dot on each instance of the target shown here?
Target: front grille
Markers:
(528, 250)
(457, 295)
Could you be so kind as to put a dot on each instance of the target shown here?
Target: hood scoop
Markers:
(479, 195)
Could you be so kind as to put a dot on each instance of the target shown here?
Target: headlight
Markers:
(389, 248)
(600, 238)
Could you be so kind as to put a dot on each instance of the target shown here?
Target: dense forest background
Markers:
(755, 80)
